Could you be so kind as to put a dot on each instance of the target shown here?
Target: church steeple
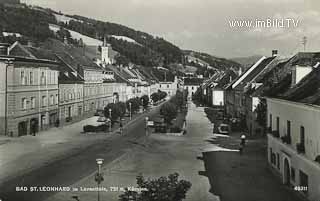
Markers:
(104, 41)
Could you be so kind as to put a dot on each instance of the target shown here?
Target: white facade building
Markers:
(295, 144)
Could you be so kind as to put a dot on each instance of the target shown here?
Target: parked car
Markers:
(221, 129)
(103, 119)
(224, 129)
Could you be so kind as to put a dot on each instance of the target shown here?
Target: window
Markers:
(44, 101)
(192, 88)
(168, 86)
(270, 121)
(33, 102)
(23, 78)
(160, 85)
(24, 103)
(278, 124)
(302, 139)
(31, 78)
(304, 181)
(293, 174)
(51, 100)
(278, 161)
(289, 129)
(43, 78)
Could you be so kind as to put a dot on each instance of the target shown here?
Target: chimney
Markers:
(274, 53)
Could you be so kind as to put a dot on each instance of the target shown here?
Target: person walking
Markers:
(243, 140)
(121, 128)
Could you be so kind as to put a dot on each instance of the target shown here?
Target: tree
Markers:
(145, 100)
(169, 112)
(135, 104)
(162, 189)
(122, 60)
(117, 110)
(155, 97)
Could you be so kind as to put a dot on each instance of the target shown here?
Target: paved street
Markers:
(60, 157)
(159, 156)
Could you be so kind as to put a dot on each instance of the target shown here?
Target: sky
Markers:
(206, 25)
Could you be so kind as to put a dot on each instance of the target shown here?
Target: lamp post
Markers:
(99, 177)
(110, 117)
(142, 104)
(130, 112)
(146, 126)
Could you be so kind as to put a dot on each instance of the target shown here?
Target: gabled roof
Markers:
(227, 77)
(277, 80)
(73, 56)
(249, 75)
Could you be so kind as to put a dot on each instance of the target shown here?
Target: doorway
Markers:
(286, 172)
(22, 128)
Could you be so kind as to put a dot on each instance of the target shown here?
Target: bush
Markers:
(100, 128)
(162, 189)
(175, 129)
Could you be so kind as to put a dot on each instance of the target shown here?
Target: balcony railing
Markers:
(286, 139)
(275, 134)
(301, 148)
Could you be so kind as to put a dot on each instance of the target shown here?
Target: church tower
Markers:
(105, 52)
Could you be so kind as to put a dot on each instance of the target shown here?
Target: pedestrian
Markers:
(121, 128)
(33, 128)
(241, 149)
(243, 140)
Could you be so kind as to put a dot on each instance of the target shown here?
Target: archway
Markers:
(286, 172)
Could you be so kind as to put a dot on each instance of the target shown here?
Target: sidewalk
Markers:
(236, 177)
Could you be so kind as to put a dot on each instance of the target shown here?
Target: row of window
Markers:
(28, 78)
(31, 103)
(288, 128)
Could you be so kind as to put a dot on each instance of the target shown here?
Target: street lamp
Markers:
(110, 117)
(146, 127)
(130, 112)
(142, 105)
(99, 177)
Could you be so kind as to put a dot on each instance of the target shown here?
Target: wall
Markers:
(217, 97)
(299, 115)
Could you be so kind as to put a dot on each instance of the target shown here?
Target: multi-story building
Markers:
(169, 86)
(29, 91)
(191, 84)
(291, 90)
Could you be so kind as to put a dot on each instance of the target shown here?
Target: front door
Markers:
(22, 128)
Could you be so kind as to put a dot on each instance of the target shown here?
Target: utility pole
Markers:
(304, 42)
